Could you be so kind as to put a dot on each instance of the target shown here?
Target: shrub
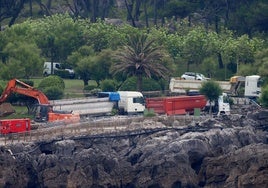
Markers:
(149, 113)
(148, 84)
(53, 87)
(90, 90)
(108, 85)
(53, 93)
(52, 81)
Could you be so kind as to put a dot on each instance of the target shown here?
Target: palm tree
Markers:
(139, 57)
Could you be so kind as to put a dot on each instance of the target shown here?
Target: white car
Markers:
(193, 76)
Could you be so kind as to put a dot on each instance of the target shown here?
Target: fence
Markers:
(107, 126)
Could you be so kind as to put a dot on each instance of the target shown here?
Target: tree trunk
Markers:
(85, 82)
(129, 13)
(146, 14)
(155, 12)
(137, 10)
(221, 66)
(139, 82)
(16, 13)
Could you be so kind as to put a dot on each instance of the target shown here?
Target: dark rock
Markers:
(227, 151)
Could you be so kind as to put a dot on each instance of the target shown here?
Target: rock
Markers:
(227, 151)
(245, 167)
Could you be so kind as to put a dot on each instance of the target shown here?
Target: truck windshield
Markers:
(260, 82)
(138, 100)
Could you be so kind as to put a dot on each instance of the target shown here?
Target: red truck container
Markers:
(15, 125)
(177, 105)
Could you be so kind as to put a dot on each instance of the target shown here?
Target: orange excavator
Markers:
(44, 111)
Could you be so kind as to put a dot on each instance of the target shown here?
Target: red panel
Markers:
(157, 104)
(176, 105)
(14, 125)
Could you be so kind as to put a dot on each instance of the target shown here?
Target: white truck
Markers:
(253, 86)
(48, 70)
(126, 102)
(131, 102)
(179, 85)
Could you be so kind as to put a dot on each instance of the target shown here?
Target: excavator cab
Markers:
(45, 113)
(42, 112)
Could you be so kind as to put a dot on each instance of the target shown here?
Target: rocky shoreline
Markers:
(226, 151)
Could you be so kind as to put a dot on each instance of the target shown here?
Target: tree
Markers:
(58, 36)
(20, 56)
(212, 91)
(264, 97)
(139, 57)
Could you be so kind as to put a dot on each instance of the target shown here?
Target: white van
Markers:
(56, 66)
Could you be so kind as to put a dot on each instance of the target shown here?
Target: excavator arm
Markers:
(17, 86)
(44, 111)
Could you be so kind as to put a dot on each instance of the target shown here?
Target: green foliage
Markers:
(1, 89)
(148, 84)
(149, 113)
(140, 57)
(108, 85)
(20, 54)
(264, 97)
(52, 81)
(91, 90)
(62, 73)
(101, 35)
(211, 90)
(58, 35)
(53, 92)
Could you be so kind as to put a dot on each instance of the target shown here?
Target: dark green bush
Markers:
(53, 87)
(108, 85)
(148, 84)
(52, 81)
(91, 90)
(53, 93)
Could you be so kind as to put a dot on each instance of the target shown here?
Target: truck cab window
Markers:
(260, 82)
(139, 100)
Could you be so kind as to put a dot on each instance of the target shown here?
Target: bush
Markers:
(52, 81)
(148, 84)
(53, 87)
(90, 90)
(149, 113)
(108, 85)
(53, 93)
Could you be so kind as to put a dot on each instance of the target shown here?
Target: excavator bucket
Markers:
(6, 109)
